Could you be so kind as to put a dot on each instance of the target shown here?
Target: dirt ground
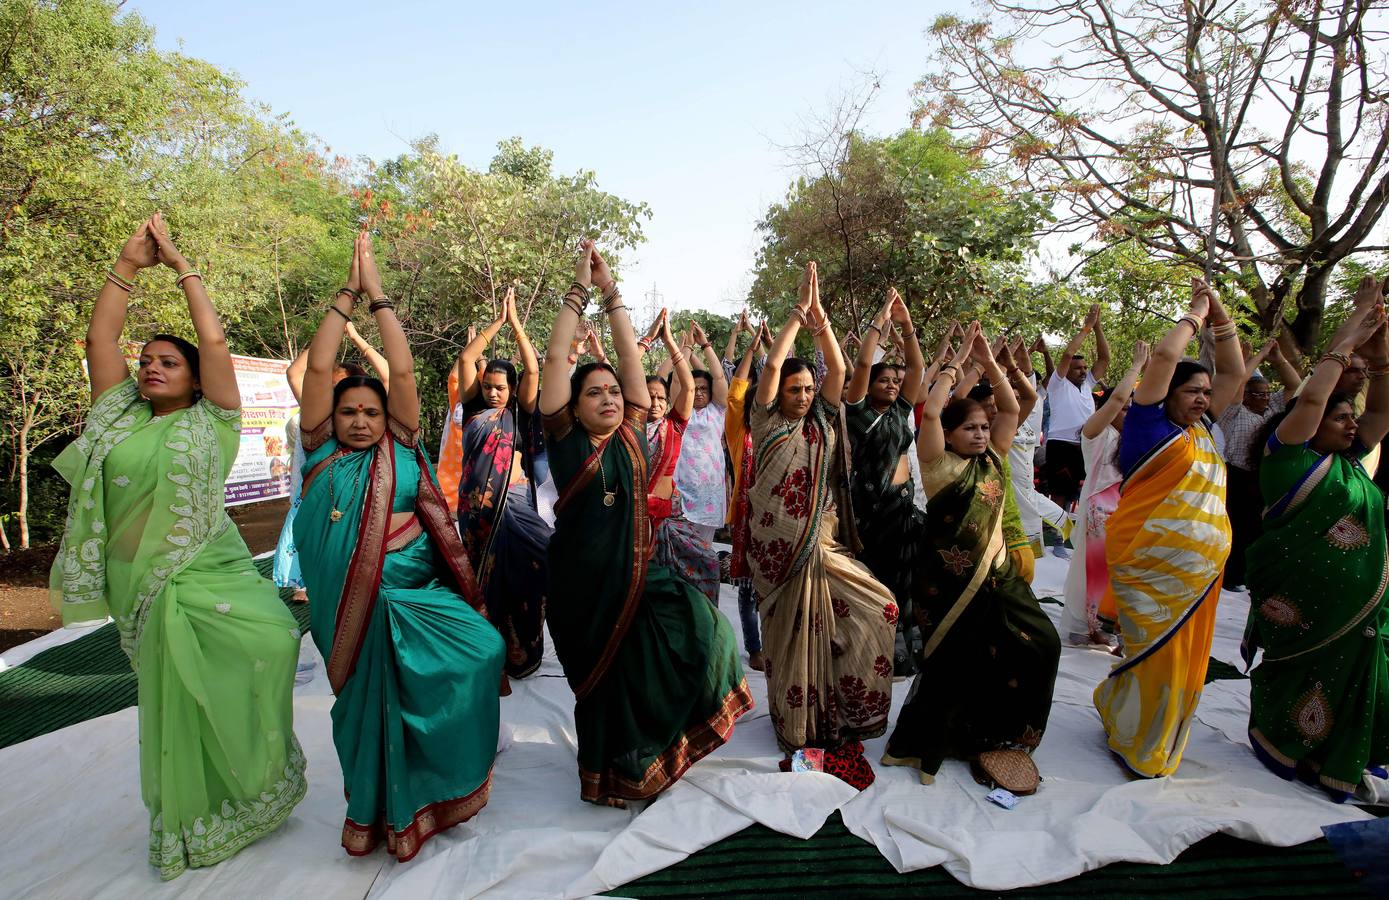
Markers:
(24, 609)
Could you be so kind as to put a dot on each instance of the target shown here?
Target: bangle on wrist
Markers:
(381, 303)
(191, 273)
(1336, 356)
(339, 312)
(119, 282)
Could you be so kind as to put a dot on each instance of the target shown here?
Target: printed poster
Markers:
(261, 470)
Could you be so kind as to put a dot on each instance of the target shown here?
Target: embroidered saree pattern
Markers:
(991, 654)
(653, 664)
(827, 623)
(1320, 697)
(214, 648)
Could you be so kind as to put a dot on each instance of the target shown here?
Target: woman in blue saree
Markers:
(497, 517)
(397, 614)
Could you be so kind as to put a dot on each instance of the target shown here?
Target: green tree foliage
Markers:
(98, 129)
(913, 211)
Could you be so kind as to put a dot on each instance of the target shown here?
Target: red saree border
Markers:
(693, 745)
(363, 580)
(641, 552)
(359, 839)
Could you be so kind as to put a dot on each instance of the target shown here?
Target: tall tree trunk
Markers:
(22, 515)
(1311, 308)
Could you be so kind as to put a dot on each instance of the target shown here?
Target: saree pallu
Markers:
(213, 647)
(889, 522)
(503, 533)
(1166, 545)
(989, 661)
(827, 624)
(654, 667)
(680, 545)
(1317, 586)
(413, 663)
(1088, 606)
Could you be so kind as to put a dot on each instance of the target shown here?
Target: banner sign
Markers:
(261, 471)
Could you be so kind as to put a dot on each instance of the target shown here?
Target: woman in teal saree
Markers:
(1317, 577)
(148, 541)
(397, 614)
(654, 668)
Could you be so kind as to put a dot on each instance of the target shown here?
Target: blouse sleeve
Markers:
(1145, 426)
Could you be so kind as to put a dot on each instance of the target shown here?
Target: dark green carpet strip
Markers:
(763, 863)
(91, 677)
(87, 678)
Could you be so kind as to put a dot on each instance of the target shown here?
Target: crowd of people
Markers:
(885, 516)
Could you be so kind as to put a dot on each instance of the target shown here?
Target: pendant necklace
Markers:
(609, 497)
(335, 514)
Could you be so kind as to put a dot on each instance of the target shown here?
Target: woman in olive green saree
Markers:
(413, 662)
(654, 667)
(148, 541)
(1317, 578)
(990, 658)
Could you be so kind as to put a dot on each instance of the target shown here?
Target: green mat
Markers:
(91, 677)
(81, 680)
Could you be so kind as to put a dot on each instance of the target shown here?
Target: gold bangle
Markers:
(116, 280)
(1341, 359)
(191, 273)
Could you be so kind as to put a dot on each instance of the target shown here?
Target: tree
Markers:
(913, 211)
(1130, 116)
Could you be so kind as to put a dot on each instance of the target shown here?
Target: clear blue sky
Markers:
(686, 108)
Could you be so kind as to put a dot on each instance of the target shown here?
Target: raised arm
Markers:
(911, 348)
(1078, 341)
(930, 440)
(106, 365)
(630, 374)
(1005, 424)
(868, 346)
(1105, 415)
(1228, 381)
(730, 350)
(468, 360)
(369, 353)
(1364, 322)
(294, 374)
(719, 397)
(682, 401)
(832, 388)
(554, 384)
(1374, 423)
(1170, 350)
(1021, 384)
(770, 378)
(316, 399)
(1287, 372)
(1101, 367)
(402, 396)
(1040, 346)
(216, 377)
(529, 385)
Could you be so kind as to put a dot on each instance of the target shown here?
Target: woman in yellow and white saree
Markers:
(1167, 542)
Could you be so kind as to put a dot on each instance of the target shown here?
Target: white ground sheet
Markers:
(74, 825)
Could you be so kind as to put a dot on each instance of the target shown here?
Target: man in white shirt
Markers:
(1070, 391)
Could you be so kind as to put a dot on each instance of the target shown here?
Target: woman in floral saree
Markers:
(497, 517)
(989, 660)
(397, 614)
(654, 668)
(148, 541)
(1317, 580)
(1166, 543)
(827, 623)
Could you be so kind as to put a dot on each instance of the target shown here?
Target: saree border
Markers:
(1147, 459)
(641, 551)
(428, 820)
(360, 589)
(1167, 635)
(692, 745)
(1309, 482)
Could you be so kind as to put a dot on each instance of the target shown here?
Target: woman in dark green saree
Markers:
(397, 614)
(654, 667)
(1317, 577)
(990, 656)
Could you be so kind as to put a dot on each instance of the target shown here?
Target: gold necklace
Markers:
(609, 497)
(335, 514)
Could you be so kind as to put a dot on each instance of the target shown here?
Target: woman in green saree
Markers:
(1317, 577)
(989, 662)
(654, 667)
(148, 541)
(397, 614)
